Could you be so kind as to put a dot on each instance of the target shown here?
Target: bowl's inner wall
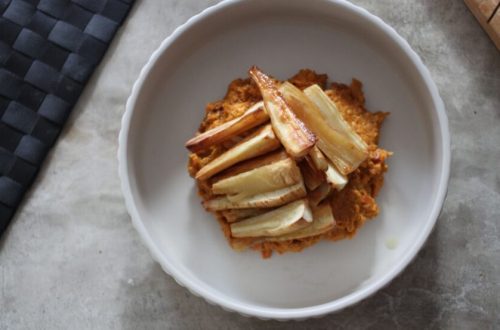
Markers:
(196, 69)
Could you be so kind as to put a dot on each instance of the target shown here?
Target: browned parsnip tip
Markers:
(291, 131)
(253, 117)
(259, 143)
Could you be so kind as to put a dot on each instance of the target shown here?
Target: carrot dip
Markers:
(351, 206)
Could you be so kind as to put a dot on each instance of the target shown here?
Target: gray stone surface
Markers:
(71, 258)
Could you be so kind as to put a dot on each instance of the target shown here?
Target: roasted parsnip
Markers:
(259, 180)
(253, 117)
(291, 131)
(313, 177)
(235, 215)
(318, 158)
(319, 194)
(256, 144)
(323, 222)
(265, 200)
(336, 145)
(335, 178)
(283, 220)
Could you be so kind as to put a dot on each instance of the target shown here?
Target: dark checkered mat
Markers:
(48, 50)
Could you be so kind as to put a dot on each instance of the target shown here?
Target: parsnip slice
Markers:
(265, 200)
(235, 215)
(333, 115)
(256, 144)
(319, 194)
(312, 177)
(335, 178)
(308, 214)
(318, 158)
(337, 146)
(247, 165)
(259, 180)
(293, 134)
(253, 117)
(283, 220)
(323, 222)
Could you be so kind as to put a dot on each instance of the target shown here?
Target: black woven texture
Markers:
(48, 50)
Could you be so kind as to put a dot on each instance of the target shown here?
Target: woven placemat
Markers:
(48, 50)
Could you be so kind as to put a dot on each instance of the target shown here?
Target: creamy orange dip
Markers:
(351, 206)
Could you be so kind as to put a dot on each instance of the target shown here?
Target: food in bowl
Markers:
(285, 164)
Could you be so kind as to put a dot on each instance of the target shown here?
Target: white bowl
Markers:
(194, 66)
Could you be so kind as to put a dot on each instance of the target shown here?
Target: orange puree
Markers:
(351, 206)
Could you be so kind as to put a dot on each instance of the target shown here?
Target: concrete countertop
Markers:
(72, 260)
